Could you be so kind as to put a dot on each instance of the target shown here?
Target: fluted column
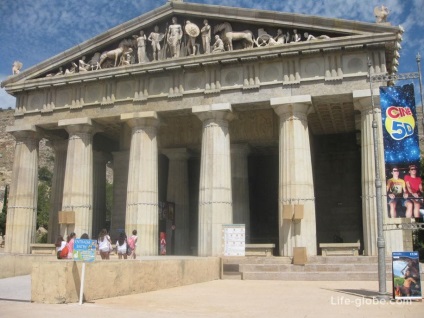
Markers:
(240, 186)
(22, 206)
(215, 194)
(296, 185)
(178, 192)
(394, 239)
(120, 181)
(59, 147)
(142, 190)
(100, 160)
(78, 184)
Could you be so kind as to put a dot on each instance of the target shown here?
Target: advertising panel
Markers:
(406, 275)
(401, 151)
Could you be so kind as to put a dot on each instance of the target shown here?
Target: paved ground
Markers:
(221, 298)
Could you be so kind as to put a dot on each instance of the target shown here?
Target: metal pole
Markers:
(381, 244)
(418, 58)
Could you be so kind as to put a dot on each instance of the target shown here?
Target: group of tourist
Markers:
(125, 246)
(407, 192)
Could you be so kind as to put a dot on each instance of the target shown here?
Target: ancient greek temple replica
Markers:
(227, 115)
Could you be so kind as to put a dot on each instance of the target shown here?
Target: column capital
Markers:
(77, 125)
(148, 118)
(362, 99)
(214, 111)
(292, 104)
(24, 132)
(176, 153)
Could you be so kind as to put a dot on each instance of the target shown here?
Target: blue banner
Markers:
(401, 151)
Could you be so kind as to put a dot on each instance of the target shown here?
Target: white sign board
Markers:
(233, 238)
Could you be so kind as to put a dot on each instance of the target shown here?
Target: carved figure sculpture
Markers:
(193, 32)
(94, 63)
(296, 36)
(141, 47)
(310, 37)
(126, 58)
(280, 38)
(218, 46)
(16, 67)
(155, 38)
(229, 36)
(175, 33)
(206, 37)
(264, 39)
(82, 66)
(381, 14)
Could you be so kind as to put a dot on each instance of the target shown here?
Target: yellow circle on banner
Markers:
(399, 125)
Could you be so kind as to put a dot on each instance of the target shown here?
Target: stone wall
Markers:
(59, 281)
(7, 146)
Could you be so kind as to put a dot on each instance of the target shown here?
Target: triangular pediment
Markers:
(263, 26)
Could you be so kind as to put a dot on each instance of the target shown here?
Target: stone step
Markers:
(310, 268)
(256, 260)
(232, 276)
(344, 259)
(314, 276)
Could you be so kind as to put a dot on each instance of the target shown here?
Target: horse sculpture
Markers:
(228, 36)
(125, 46)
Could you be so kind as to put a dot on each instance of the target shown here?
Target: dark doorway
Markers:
(263, 192)
(337, 185)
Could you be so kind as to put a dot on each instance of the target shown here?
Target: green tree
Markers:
(109, 201)
(3, 215)
(45, 175)
(43, 205)
(43, 201)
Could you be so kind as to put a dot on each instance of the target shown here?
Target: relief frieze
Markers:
(184, 36)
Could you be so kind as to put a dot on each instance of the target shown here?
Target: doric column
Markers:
(100, 160)
(59, 147)
(142, 190)
(296, 185)
(78, 184)
(394, 240)
(240, 186)
(178, 192)
(22, 207)
(120, 181)
(215, 195)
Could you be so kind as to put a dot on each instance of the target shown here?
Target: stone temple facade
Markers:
(271, 128)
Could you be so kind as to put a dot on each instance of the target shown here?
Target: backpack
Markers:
(64, 252)
(131, 243)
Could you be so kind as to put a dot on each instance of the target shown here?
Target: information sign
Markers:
(234, 237)
(84, 250)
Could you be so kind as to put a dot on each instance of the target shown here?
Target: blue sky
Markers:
(32, 31)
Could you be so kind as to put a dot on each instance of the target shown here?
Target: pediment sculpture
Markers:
(381, 13)
(173, 40)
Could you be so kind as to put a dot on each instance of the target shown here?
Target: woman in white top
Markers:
(121, 246)
(60, 243)
(105, 245)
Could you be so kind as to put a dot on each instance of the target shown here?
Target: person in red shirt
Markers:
(414, 189)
